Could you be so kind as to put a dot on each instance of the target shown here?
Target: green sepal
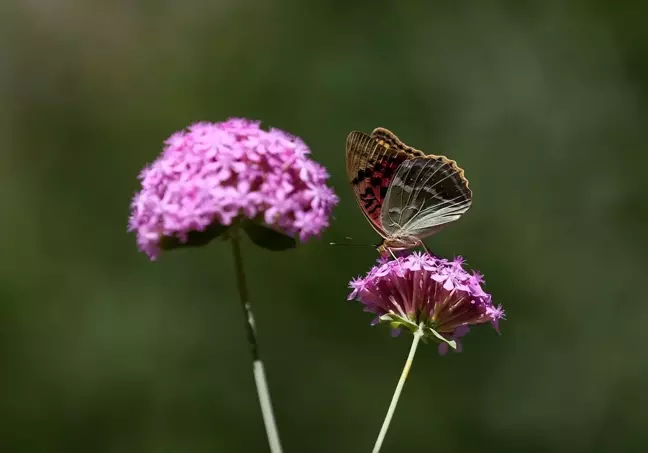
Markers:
(398, 322)
(194, 238)
(267, 237)
(431, 333)
(395, 322)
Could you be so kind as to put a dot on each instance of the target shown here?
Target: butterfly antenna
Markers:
(351, 245)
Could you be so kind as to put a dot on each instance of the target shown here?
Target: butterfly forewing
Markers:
(371, 166)
(425, 194)
(390, 140)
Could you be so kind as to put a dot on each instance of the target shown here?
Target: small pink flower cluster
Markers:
(421, 289)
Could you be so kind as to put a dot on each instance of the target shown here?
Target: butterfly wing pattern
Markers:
(404, 194)
(426, 194)
(372, 162)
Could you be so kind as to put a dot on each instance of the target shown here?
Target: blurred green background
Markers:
(542, 103)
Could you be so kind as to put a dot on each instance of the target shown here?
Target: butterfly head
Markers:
(395, 244)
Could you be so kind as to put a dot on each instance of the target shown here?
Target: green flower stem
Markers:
(399, 388)
(257, 364)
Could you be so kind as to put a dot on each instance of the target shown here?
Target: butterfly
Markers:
(405, 194)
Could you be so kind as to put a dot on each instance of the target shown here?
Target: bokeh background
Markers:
(543, 104)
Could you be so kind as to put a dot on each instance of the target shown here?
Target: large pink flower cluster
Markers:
(212, 173)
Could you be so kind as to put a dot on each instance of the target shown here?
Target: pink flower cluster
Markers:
(213, 173)
(423, 291)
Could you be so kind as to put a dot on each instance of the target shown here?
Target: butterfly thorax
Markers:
(395, 244)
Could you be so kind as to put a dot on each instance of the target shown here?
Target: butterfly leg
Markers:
(427, 250)
(396, 259)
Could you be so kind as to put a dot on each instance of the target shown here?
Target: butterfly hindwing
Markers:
(425, 194)
(371, 165)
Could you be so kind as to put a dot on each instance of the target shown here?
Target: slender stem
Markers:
(399, 388)
(257, 364)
